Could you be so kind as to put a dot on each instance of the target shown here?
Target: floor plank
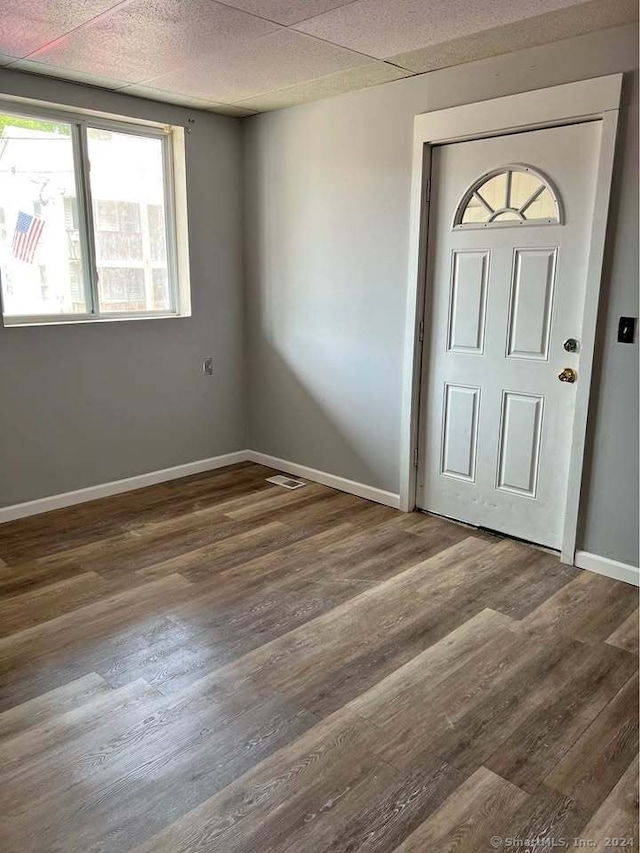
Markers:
(626, 635)
(617, 817)
(28, 609)
(600, 756)
(593, 678)
(550, 820)
(589, 608)
(480, 809)
(45, 707)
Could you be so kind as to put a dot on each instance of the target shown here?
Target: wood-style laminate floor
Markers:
(216, 664)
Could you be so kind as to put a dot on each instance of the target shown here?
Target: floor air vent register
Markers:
(286, 482)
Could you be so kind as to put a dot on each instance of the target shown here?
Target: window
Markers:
(88, 225)
(512, 195)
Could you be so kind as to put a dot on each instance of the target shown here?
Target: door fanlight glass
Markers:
(510, 195)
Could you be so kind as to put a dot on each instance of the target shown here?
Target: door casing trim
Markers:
(585, 100)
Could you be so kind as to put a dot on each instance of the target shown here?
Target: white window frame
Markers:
(175, 196)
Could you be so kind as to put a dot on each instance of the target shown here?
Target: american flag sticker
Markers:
(26, 236)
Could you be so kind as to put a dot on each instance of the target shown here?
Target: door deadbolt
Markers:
(567, 375)
(571, 345)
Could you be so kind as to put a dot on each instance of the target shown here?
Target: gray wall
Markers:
(86, 404)
(327, 223)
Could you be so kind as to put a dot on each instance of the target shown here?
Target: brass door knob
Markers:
(568, 374)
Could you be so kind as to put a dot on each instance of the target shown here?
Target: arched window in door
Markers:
(510, 195)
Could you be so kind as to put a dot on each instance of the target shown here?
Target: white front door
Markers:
(508, 242)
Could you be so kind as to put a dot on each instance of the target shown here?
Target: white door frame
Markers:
(585, 100)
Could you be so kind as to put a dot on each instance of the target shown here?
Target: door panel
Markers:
(532, 287)
(460, 429)
(503, 293)
(468, 301)
(519, 453)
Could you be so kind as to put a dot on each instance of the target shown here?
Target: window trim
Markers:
(172, 138)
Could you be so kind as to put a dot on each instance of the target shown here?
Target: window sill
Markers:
(21, 322)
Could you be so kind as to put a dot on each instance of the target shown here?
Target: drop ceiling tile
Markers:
(231, 110)
(30, 24)
(287, 11)
(273, 62)
(543, 29)
(152, 94)
(371, 74)
(32, 67)
(146, 38)
(383, 29)
(6, 60)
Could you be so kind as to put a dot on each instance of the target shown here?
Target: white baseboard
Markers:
(341, 483)
(583, 559)
(117, 487)
(610, 568)
(92, 493)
